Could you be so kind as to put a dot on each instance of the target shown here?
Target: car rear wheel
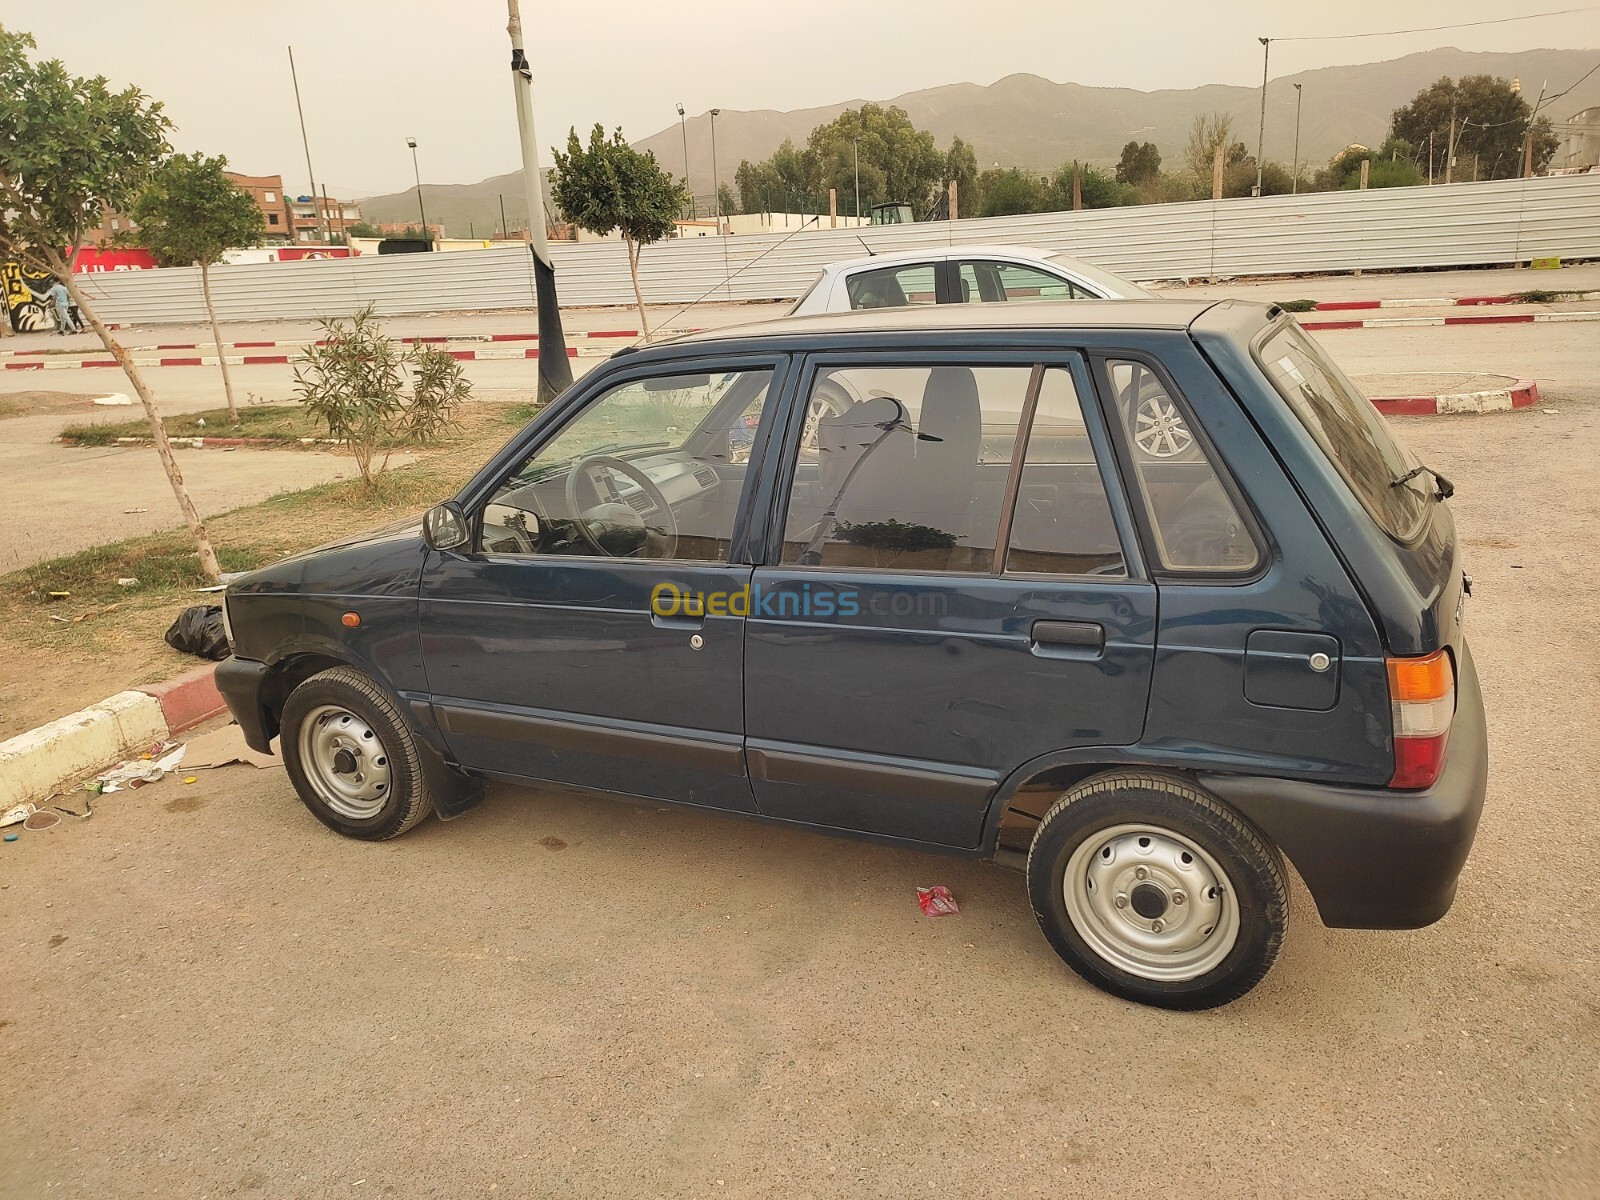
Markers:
(351, 757)
(1154, 891)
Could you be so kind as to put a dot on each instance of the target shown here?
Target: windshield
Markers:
(1102, 280)
(1351, 432)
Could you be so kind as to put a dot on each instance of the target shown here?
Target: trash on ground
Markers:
(40, 821)
(11, 837)
(17, 815)
(93, 612)
(127, 581)
(1550, 412)
(198, 630)
(139, 771)
(135, 510)
(59, 595)
(223, 746)
(112, 400)
(936, 901)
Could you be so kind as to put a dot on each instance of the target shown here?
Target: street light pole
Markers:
(1261, 133)
(716, 194)
(1294, 183)
(683, 126)
(555, 372)
(417, 173)
(312, 175)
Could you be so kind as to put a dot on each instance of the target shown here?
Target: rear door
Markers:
(949, 592)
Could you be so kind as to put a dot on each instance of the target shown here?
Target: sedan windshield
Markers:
(1101, 280)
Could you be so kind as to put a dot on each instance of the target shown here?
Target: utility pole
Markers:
(716, 196)
(1261, 133)
(1294, 182)
(417, 172)
(857, 143)
(555, 372)
(1450, 147)
(1527, 149)
(312, 175)
(504, 232)
(684, 129)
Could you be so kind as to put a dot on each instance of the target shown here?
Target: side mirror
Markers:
(445, 527)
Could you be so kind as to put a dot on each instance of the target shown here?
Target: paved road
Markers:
(207, 994)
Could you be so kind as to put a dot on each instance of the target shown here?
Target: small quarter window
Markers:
(892, 287)
(1196, 525)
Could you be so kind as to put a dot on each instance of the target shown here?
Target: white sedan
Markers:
(961, 275)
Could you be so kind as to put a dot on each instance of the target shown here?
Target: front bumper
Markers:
(241, 680)
(1374, 858)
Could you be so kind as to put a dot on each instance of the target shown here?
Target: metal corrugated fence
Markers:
(1465, 224)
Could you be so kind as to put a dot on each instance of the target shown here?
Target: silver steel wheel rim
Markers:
(1151, 902)
(819, 407)
(345, 761)
(1159, 428)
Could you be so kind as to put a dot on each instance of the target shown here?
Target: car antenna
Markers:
(730, 278)
(871, 253)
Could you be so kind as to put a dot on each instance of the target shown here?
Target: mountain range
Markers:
(1031, 122)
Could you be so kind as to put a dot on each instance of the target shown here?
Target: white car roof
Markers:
(939, 253)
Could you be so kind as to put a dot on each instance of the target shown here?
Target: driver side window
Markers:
(651, 469)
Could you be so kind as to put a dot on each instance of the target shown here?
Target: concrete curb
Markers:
(36, 764)
(1524, 393)
(1489, 319)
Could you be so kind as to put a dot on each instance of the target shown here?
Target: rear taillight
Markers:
(1422, 696)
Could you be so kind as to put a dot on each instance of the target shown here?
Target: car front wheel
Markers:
(1154, 891)
(351, 757)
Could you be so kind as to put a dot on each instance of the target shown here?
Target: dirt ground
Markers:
(208, 994)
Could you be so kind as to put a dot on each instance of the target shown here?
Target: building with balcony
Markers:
(267, 192)
(317, 219)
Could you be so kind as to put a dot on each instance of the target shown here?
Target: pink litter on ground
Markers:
(937, 901)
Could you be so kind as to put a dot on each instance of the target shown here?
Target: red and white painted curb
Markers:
(1441, 301)
(1524, 393)
(1488, 319)
(37, 764)
(592, 335)
(260, 360)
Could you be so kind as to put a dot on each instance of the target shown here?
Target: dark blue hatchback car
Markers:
(1138, 595)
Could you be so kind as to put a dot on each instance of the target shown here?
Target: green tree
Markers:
(1209, 131)
(758, 184)
(611, 186)
(188, 215)
(1099, 189)
(361, 229)
(961, 169)
(1011, 191)
(899, 162)
(70, 149)
(1491, 123)
(1140, 164)
(726, 204)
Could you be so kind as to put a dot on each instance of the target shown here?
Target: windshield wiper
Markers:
(1443, 489)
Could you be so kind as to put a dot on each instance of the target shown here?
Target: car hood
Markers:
(380, 561)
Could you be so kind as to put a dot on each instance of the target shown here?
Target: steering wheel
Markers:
(598, 469)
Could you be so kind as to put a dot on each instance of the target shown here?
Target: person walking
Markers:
(66, 318)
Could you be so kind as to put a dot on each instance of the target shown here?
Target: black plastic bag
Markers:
(198, 630)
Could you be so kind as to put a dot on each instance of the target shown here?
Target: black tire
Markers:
(384, 792)
(1112, 826)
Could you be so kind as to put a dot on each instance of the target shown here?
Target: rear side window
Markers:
(1351, 432)
(1193, 519)
(892, 287)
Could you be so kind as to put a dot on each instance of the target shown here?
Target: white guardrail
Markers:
(1464, 224)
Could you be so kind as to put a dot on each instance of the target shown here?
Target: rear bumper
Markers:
(1374, 858)
(240, 681)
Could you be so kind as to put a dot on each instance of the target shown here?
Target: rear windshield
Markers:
(1351, 432)
(806, 293)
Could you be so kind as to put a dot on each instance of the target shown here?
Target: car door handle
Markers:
(677, 622)
(1058, 636)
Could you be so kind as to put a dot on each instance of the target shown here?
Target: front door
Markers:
(948, 595)
(554, 648)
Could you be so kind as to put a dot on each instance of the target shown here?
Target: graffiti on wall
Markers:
(28, 304)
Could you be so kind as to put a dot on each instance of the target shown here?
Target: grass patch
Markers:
(161, 562)
(520, 414)
(1298, 305)
(277, 422)
(9, 407)
(1537, 296)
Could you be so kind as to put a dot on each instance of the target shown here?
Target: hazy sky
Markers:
(373, 73)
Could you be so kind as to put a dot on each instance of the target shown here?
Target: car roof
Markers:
(978, 249)
(912, 318)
